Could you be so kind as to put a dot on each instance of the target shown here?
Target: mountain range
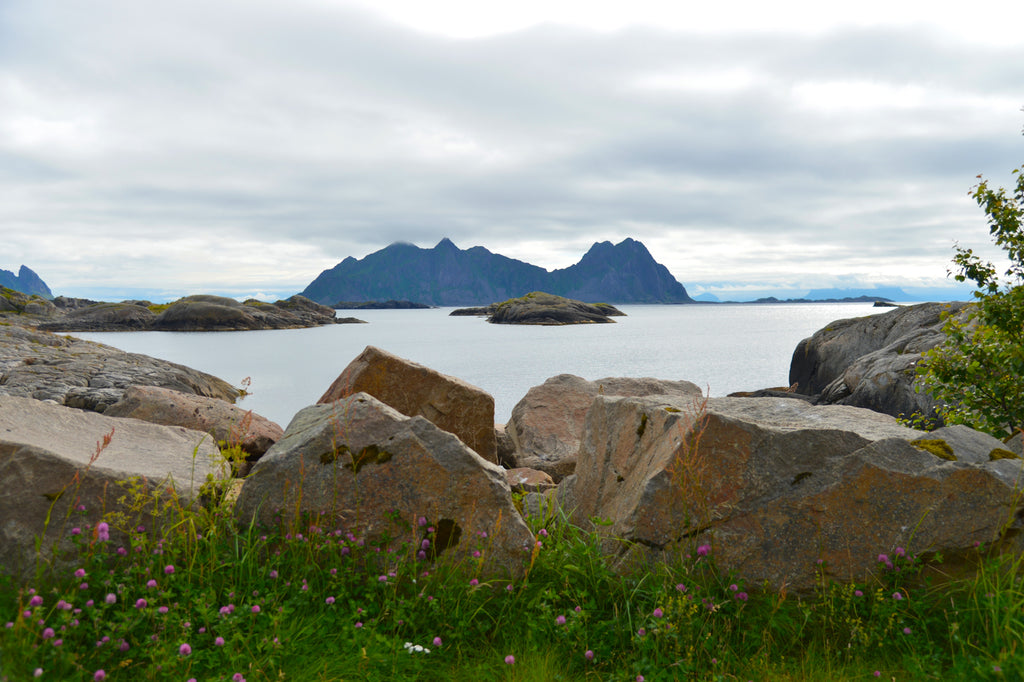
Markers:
(449, 276)
(26, 281)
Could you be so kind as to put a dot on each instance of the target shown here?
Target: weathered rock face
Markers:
(775, 485)
(223, 421)
(87, 375)
(43, 447)
(358, 464)
(869, 361)
(547, 424)
(415, 390)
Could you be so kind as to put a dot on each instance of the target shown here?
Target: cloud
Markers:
(247, 146)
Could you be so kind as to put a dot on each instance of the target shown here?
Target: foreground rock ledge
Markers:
(361, 466)
(43, 447)
(87, 375)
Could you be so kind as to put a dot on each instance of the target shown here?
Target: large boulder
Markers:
(546, 425)
(869, 361)
(72, 467)
(227, 423)
(780, 489)
(360, 466)
(414, 390)
(87, 375)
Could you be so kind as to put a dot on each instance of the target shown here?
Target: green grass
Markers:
(318, 603)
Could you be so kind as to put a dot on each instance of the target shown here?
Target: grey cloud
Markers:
(339, 133)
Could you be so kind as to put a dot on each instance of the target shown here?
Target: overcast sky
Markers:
(243, 146)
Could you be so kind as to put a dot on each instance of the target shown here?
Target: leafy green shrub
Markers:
(977, 373)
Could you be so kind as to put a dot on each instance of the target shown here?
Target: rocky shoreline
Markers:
(191, 314)
(784, 489)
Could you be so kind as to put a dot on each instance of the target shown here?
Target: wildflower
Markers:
(474, 582)
(358, 624)
(543, 532)
(256, 608)
(121, 551)
(36, 600)
(858, 593)
(151, 584)
(63, 605)
(703, 550)
(589, 655)
(238, 677)
(141, 604)
(878, 673)
(641, 632)
(80, 573)
(329, 600)
(639, 678)
(273, 573)
(168, 569)
(560, 620)
(658, 613)
(476, 554)
(437, 641)
(577, 609)
(163, 610)
(422, 521)
(382, 579)
(901, 552)
(510, 660)
(907, 631)
(99, 675)
(48, 633)
(185, 649)
(679, 588)
(884, 559)
(734, 587)
(897, 596)
(76, 531)
(102, 531)
(219, 641)
(38, 672)
(742, 596)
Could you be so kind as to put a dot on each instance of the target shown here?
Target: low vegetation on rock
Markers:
(541, 308)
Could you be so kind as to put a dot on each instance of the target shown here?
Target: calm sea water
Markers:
(722, 348)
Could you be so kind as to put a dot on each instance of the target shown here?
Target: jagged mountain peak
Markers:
(447, 275)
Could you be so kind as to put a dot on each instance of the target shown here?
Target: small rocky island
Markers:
(542, 308)
(191, 314)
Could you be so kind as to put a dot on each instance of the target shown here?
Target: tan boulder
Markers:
(225, 422)
(777, 485)
(55, 459)
(360, 466)
(523, 480)
(414, 390)
(547, 423)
